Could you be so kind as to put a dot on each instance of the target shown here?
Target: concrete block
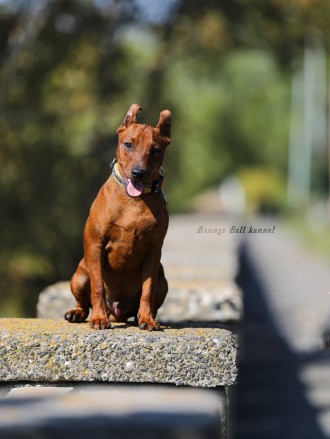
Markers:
(201, 246)
(55, 300)
(187, 301)
(202, 301)
(103, 412)
(55, 350)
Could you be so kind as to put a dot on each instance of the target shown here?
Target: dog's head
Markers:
(141, 149)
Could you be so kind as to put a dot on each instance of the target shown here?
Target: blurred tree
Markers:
(57, 136)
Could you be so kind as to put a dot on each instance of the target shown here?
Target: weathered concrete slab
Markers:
(55, 350)
(55, 300)
(200, 247)
(187, 301)
(202, 301)
(200, 257)
(116, 412)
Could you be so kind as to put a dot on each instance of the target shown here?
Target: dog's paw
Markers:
(76, 316)
(100, 323)
(148, 324)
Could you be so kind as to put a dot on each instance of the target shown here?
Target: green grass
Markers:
(315, 237)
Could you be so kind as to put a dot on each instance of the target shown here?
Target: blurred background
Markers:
(248, 83)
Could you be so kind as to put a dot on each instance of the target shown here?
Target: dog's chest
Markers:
(130, 238)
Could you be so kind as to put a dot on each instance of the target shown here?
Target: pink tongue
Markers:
(134, 189)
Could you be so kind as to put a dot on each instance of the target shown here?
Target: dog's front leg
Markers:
(146, 318)
(94, 259)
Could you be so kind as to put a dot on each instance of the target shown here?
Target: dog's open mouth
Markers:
(134, 188)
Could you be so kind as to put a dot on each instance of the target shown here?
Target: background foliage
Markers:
(69, 71)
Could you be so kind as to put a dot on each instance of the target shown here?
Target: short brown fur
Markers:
(120, 275)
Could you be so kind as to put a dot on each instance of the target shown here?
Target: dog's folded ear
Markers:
(131, 116)
(164, 123)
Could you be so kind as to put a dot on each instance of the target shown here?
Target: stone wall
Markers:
(47, 365)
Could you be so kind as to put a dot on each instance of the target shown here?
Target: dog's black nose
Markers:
(138, 173)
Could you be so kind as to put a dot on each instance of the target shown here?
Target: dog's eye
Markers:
(128, 145)
(155, 150)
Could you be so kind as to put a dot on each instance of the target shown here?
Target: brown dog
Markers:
(120, 275)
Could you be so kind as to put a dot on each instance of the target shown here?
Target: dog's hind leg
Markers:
(80, 287)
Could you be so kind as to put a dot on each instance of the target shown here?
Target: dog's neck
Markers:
(153, 188)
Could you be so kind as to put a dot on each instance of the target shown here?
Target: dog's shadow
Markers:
(183, 325)
(164, 325)
(195, 325)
